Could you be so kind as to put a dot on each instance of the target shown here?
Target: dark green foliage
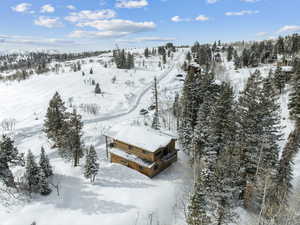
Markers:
(123, 60)
(8, 155)
(55, 119)
(294, 101)
(71, 146)
(230, 52)
(146, 52)
(91, 166)
(32, 173)
(44, 164)
(43, 185)
(97, 89)
(279, 79)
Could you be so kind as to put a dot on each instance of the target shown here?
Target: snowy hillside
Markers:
(119, 195)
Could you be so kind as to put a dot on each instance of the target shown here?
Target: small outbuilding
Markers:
(142, 149)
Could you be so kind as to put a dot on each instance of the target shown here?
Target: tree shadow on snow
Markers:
(76, 195)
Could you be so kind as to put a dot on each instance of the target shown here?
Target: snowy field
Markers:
(119, 195)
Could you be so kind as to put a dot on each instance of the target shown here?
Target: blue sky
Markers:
(99, 24)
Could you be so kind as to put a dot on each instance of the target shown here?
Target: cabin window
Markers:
(129, 147)
(145, 152)
(141, 168)
(155, 167)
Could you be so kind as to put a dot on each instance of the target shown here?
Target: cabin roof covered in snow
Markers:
(141, 137)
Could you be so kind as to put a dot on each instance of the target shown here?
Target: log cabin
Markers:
(143, 149)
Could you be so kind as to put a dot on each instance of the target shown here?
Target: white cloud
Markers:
(71, 7)
(23, 7)
(177, 19)
(119, 25)
(289, 28)
(34, 41)
(201, 18)
(90, 15)
(131, 4)
(242, 13)
(212, 1)
(260, 34)
(47, 9)
(97, 34)
(48, 22)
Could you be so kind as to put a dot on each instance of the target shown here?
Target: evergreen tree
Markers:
(45, 164)
(97, 89)
(43, 184)
(32, 172)
(279, 192)
(155, 122)
(294, 98)
(71, 144)
(8, 155)
(250, 131)
(279, 79)
(91, 71)
(189, 57)
(164, 58)
(196, 211)
(230, 52)
(91, 166)
(55, 119)
(146, 52)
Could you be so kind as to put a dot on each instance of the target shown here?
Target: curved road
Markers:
(33, 130)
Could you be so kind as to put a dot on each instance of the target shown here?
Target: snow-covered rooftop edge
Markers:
(141, 137)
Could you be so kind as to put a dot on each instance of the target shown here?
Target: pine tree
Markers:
(155, 122)
(31, 172)
(55, 118)
(294, 98)
(71, 144)
(45, 164)
(196, 210)
(8, 155)
(146, 52)
(91, 71)
(91, 166)
(43, 184)
(97, 89)
(250, 131)
(230, 52)
(164, 58)
(279, 192)
(279, 79)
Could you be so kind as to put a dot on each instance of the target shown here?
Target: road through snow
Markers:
(27, 132)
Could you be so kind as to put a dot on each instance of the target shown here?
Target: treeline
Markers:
(33, 60)
(265, 51)
(123, 60)
(234, 143)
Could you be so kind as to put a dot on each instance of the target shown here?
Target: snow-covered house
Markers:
(143, 149)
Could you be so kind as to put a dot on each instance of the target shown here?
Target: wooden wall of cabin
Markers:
(171, 148)
(135, 150)
(150, 172)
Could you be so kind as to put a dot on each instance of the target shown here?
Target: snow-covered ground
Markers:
(119, 195)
